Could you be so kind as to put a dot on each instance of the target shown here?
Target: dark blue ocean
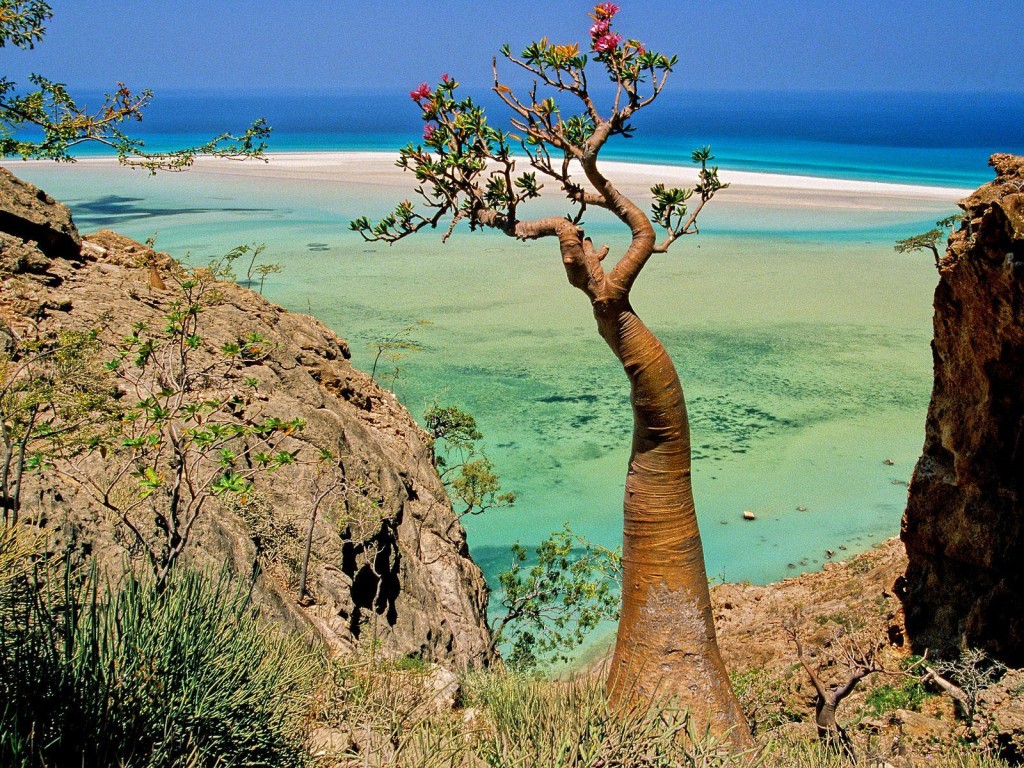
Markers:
(941, 139)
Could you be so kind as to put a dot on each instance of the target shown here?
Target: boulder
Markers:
(29, 214)
(389, 565)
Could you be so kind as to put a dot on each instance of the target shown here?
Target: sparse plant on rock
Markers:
(393, 348)
(328, 481)
(470, 478)
(965, 678)
(190, 431)
(264, 270)
(860, 659)
(764, 700)
(929, 241)
(466, 172)
(50, 390)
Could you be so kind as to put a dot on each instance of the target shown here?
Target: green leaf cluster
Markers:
(469, 478)
(46, 122)
(553, 599)
(451, 167)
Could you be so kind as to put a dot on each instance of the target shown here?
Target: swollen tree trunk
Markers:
(666, 645)
(665, 649)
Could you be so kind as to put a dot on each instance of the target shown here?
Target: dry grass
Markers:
(380, 715)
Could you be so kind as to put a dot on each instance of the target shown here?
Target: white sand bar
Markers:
(377, 169)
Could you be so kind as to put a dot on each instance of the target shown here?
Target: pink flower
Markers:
(428, 131)
(599, 28)
(605, 10)
(420, 93)
(445, 78)
(607, 42)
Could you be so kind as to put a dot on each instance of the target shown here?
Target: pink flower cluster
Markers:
(607, 42)
(423, 92)
(428, 131)
(601, 35)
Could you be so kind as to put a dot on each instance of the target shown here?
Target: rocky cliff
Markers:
(963, 525)
(389, 561)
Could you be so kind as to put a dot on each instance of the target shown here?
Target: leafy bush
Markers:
(549, 606)
(908, 695)
(94, 675)
(765, 699)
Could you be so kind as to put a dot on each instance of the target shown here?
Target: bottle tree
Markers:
(466, 172)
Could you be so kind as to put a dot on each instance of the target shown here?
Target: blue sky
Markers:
(933, 45)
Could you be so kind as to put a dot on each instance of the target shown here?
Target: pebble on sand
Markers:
(748, 515)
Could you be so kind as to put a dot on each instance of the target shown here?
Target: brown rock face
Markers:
(28, 213)
(389, 567)
(963, 523)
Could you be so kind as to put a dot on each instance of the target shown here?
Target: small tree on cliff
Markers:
(929, 241)
(666, 644)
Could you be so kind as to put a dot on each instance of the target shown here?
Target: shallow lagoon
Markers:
(802, 340)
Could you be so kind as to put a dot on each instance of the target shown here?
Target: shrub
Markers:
(765, 699)
(95, 675)
(907, 695)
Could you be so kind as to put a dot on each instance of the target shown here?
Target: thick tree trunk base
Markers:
(685, 670)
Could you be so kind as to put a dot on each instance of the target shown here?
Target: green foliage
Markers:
(478, 488)
(454, 428)
(223, 267)
(471, 480)
(669, 209)
(926, 241)
(46, 122)
(765, 699)
(95, 675)
(909, 694)
(553, 602)
(265, 270)
(190, 430)
(23, 22)
(929, 241)
(415, 664)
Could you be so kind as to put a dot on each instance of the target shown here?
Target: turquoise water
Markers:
(939, 138)
(802, 340)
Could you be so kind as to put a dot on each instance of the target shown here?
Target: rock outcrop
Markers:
(964, 584)
(389, 566)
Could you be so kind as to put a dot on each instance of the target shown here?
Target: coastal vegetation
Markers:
(466, 171)
(46, 122)
(929, 241)
(223, 545)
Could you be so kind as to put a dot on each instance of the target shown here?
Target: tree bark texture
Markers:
(666, 648)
